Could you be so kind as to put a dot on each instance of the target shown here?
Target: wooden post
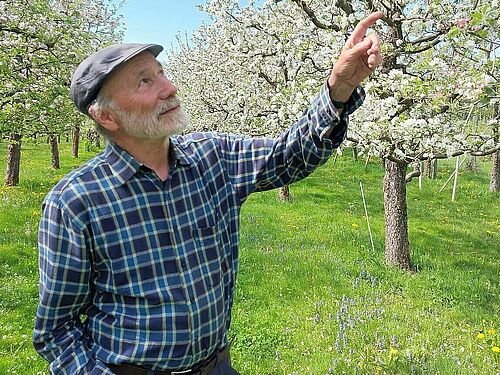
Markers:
(455, 181)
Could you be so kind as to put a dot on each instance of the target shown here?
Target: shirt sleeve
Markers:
(60, 331)
(258, 164)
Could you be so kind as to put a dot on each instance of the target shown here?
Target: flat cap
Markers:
(90, 75)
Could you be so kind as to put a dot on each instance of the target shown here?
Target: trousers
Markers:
(222, 367)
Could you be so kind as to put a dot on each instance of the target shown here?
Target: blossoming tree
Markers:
(253, 70)
(41, 43)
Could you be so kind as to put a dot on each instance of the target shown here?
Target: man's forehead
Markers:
(133, 68)
(136, 65)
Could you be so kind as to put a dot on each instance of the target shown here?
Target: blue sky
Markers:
(159, 21)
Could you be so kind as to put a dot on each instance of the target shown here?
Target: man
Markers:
(139, 246)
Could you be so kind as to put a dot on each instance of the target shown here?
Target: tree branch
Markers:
(428, 38)
(302, 4)
(410, 176)
(345, 6)
(268, 79)
(425, 48)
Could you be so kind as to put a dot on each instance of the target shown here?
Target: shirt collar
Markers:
(124, 166)
(179, 153)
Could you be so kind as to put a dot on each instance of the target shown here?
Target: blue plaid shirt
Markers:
(137, 270)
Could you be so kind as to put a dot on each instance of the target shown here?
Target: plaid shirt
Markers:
(137, 270)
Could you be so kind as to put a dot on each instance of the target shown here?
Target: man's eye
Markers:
(144, 81)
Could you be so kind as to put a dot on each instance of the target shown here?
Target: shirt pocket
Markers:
(208, 242)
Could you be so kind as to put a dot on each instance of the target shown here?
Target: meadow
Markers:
(312, 296)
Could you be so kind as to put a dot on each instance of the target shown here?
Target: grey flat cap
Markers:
(90, 75)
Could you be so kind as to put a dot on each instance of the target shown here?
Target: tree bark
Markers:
(97, 139)
(428, 168)
(397, 246)
(13, 160)
(471, 164)
(76, 140)
(495, 170)
(284, 194)
(434, 169)
(54, 151)
(495, 173)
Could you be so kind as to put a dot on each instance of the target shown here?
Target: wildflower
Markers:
(480, 335)
(394, 340)
(491, 331)
(355, 226)
(496, 349)
(393, 351)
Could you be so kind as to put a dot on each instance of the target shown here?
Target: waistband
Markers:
(202, 368)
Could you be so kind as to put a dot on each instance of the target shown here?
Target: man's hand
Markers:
(360, 56)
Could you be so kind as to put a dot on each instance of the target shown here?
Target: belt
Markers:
(202, 368)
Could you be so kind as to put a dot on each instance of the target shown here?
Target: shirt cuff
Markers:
(331, 117)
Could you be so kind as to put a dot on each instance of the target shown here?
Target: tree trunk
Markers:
(397, 246)
(284, 194)
(428, 168)
(434, 174)
(495, 170)
(471, 164)
(76, 140)
(13, 160)
(495, 173)
(54, 151)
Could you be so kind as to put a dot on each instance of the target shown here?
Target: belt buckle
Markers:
(180, 372)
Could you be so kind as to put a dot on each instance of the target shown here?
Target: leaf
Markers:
(454, 31)
(482, 34)
(477, 18)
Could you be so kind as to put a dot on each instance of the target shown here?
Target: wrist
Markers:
(340, 92)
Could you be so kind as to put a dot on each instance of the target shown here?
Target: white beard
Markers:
(154, 125)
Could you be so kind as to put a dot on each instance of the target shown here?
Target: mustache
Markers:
(167, 105)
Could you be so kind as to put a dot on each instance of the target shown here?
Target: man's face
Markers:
(144, 101)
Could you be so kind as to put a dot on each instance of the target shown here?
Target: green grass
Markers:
(312, 296)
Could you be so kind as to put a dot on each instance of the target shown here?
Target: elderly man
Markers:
(139, 246)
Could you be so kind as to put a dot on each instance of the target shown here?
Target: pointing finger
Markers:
(360, 30)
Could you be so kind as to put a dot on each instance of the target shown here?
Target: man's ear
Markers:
(106, 118)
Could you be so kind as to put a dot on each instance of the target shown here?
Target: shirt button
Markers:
(183, 263)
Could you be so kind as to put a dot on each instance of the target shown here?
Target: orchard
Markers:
(313, 296)
(42, 42)
(253, 69)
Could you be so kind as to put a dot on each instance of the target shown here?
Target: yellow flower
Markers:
(491, 331)
(480, 335)
(496, 349)
(355, 226)
(393, 351)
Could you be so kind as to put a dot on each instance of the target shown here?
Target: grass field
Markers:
(312, 296)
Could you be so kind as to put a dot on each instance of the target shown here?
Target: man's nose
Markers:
(167, 88)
